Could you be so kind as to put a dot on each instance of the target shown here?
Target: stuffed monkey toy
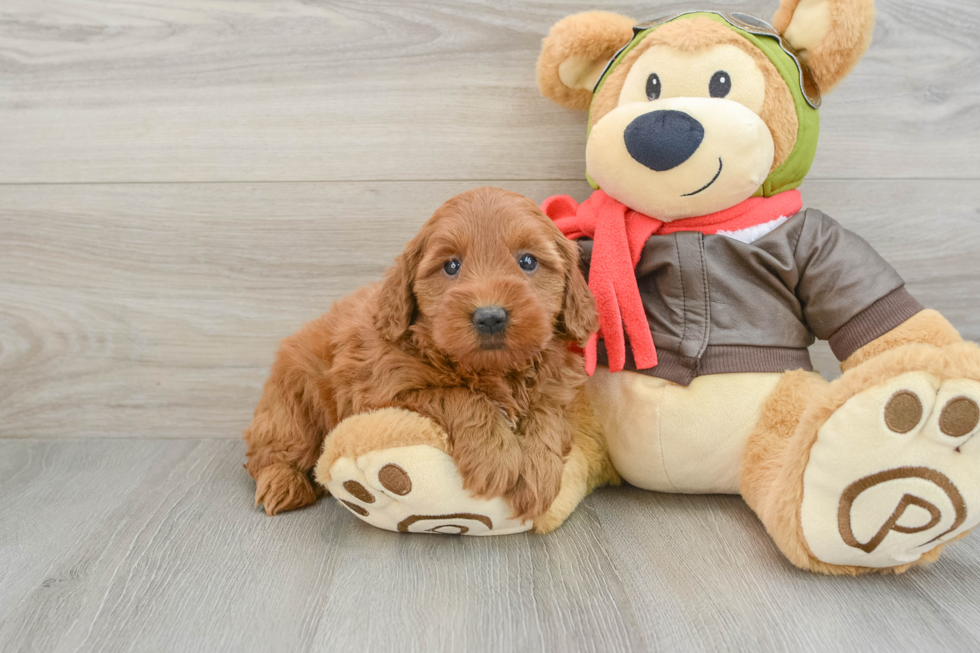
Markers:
(711, 280)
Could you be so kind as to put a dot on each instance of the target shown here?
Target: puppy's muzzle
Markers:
(490, 320)
(663, 140)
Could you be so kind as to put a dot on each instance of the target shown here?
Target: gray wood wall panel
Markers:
(204, 91)
(154, 310)
(126, 545)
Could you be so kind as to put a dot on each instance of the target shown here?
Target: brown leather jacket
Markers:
(717, 305)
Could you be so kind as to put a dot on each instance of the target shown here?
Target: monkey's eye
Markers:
(527, 262)
(653, 87)
(452, 266)
(721, 84)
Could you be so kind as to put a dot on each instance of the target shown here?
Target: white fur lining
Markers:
(754, 233)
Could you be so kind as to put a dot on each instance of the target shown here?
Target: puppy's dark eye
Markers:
(452, 267)
(527, 262)
(721, 84)
(653, 86)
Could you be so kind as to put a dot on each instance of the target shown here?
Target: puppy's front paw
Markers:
(280, 487)
(488, 473)
(537, 487)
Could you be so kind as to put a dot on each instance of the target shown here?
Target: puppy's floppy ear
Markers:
(578, 319)
(396, 306)
(830, 35)
(576, 51)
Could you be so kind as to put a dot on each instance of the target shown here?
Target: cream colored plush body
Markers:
(672, 438)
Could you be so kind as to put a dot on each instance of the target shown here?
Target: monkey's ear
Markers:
(397, 304)
(576, 51)
(830, 35)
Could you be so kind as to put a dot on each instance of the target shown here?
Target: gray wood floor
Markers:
(112, 545)
(183, 183)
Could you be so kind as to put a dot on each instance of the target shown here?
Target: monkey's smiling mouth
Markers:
(713, 180)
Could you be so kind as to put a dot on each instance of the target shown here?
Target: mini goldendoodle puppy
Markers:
(471, 327)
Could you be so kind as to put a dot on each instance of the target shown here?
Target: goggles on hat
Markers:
(744, 22)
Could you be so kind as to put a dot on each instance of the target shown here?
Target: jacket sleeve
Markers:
(849, 293)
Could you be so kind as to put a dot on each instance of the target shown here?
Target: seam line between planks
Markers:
(403, 181)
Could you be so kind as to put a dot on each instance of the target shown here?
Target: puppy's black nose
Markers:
(662, 140)
(490, 319)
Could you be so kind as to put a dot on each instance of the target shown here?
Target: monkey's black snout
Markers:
(662, 140)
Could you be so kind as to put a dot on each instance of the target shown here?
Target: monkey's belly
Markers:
(671, 438)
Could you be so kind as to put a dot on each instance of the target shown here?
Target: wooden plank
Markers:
(702, 573)
(112, 545)
(397, 90)
(154, 310)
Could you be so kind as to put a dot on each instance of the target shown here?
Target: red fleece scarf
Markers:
(619, 234)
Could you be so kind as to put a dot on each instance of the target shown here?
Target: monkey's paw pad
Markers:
(412, 488)
(894, 472)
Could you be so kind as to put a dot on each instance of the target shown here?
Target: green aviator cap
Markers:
(806, 96)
